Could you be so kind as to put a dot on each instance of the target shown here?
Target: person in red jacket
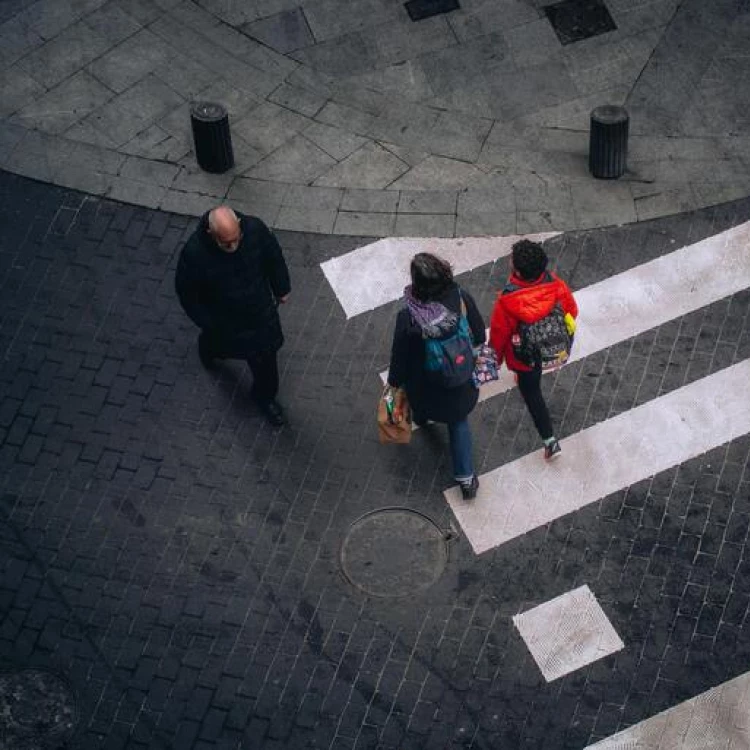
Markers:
(531, 294)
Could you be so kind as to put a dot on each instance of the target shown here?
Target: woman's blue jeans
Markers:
(460, 443)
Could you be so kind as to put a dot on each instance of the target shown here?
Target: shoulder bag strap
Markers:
(463, 304)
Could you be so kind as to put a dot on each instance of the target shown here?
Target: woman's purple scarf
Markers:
(433, 318)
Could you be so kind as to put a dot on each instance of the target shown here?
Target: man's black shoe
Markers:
(274, 413)
(206, 358)
(208, 362)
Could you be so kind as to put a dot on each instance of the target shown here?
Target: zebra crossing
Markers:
(524, 494)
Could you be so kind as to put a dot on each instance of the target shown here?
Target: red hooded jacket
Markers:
(531, 302)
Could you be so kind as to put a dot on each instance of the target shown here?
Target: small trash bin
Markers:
(608, 141)
(213, 141)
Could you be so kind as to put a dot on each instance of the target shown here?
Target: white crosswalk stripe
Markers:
(718, 718)
(376, 274)
(524, 494)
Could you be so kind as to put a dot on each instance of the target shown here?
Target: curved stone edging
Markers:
(507, 207)
(352, 155)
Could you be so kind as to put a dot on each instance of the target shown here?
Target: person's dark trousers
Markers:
(207, 350)
(263, 366)
(265, 369)
(530, 385)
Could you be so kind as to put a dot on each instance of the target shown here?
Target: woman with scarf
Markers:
(433, 310)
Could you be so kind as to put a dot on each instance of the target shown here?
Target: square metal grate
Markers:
(418, 10)
(575, 20)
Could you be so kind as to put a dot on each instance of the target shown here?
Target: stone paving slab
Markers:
(285, 31)
(393, 106)
(137, 56)
(17, 90)
(63, 106)
(64, 55)
(177, 561)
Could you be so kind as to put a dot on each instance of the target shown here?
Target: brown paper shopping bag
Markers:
(394, 416)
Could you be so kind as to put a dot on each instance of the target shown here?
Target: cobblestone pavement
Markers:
(177, 561)
(349, 118)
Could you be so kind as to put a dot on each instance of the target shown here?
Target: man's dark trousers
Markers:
(265, 369)
(263, 365)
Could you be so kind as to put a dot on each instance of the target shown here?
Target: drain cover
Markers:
(37, 709)
(575, 20)
(394, 552)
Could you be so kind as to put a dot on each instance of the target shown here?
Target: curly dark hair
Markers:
(430, 276)
(529, 259)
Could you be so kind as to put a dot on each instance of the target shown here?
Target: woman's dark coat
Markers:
(428, 400)
(233, 296)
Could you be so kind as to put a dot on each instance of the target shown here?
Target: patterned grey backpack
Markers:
(545, 342)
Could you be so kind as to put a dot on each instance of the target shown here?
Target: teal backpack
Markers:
(449, 361)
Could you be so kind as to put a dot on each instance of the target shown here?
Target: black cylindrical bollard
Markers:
(608, 141)
(213, 141)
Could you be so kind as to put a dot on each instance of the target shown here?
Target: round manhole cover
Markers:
(394, 552)
(37, 709)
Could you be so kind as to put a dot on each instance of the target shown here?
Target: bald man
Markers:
(231, 277)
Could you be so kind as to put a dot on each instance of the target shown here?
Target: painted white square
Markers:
(567, 633)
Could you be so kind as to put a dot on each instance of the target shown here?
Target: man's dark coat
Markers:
(233, 297)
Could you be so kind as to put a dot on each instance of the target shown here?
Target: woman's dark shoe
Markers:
(469, 488)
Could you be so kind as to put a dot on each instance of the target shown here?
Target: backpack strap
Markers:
(463, 304)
